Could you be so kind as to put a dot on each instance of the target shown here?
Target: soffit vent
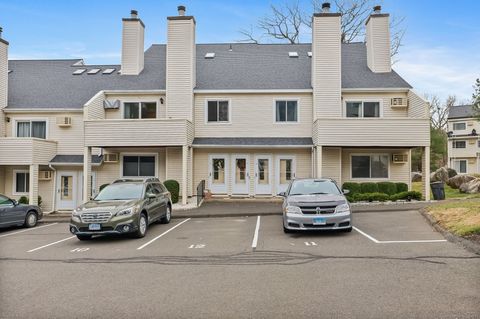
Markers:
(210, 55)
(293, 54)
(93, 71)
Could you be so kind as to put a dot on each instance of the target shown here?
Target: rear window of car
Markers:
(308, 187)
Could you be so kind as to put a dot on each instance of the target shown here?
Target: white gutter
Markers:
(250, 146)
(128, 92)
(254, 91)
(72, 164)
(355, 90)
(42, 110)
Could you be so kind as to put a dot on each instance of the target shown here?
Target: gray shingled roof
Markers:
(461, 111)
(74, 159)
(253, 141)
(50, 83)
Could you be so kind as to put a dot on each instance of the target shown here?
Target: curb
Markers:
(465, 243)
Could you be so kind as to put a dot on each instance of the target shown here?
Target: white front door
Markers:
(286, 169)
(241, 176)
(218, 173)
(263, 174)
(67, 192)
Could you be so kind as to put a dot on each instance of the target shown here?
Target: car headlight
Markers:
(126, 212)
(293, 210)
(342, 208)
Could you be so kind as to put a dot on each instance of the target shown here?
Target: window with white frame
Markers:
(286, 111)
(459, 144)
(370, 166)
(139, 110)
(28, 128)
(22, 182)
(138, 166)
(460, 126)
(460, 166)
(218, 111)
(362, 109)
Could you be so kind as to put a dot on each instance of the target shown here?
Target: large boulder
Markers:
(456, 181)
(471, 187)
(416, 177)
(440, 175)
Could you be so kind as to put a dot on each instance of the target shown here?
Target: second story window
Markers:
(36, 129)
(459, 126)
(218, 112)
(459, 144)
(139, 110)
(286, 111)
(362, 109)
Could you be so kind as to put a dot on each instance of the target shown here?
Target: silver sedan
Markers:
(315, 204)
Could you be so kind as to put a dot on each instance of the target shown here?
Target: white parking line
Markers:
(28, 229)
(162, 234)
(45, 246)
(255, 235)
(398, 241)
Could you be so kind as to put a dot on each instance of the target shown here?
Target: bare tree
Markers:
(439, 111)
(288, 22)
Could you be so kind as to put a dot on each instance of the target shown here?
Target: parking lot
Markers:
(393, 264)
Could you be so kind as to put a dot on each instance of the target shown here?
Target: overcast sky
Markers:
(440, 53)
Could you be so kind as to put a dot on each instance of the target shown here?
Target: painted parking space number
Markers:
(79, 250)
(196, 246)
(310, 243)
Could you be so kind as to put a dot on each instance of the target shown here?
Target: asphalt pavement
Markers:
(393, 265)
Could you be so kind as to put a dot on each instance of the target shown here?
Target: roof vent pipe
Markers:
(134, 14)
(181, 10)
(326, 7)
(377, 9)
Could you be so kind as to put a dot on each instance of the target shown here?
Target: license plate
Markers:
(319, 221)
(94, 227)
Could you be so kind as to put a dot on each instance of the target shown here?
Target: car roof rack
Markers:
(144, 180)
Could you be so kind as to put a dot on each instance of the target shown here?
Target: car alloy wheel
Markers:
(168, 216)
(31, 220)
(142, 224)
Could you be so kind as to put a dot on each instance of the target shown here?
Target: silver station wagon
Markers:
(315, 204)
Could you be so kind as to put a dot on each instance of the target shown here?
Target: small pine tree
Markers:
(476, 98)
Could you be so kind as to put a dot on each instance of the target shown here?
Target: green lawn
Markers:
(459, 217)
(450, 193)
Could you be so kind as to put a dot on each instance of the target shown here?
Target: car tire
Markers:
(84, 237)
(286, 230)
(347, 230)
(31, 219)
(142, 226)
(168, 216)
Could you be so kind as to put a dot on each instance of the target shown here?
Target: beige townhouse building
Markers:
(463, 140)
(246, 118)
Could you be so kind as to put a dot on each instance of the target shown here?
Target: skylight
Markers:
(293, 54)
(93, 71)
(309, 53)
(210, 55)
(10, 71)
(108, 71)
(79, 71)
(78, 63)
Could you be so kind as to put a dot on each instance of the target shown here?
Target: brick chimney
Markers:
(3, 81)
(133, 35)
(326, 63)
(181, 65)
(378, 41)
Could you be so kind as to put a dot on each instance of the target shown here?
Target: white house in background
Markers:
(463, 140)
(246, 118)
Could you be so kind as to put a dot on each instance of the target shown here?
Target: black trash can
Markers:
(438, 190)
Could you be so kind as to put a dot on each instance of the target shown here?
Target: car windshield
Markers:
(310, 187)
(121, 191)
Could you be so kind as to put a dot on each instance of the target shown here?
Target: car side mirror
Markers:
(283, 194)
(346, 191)
(14, 202)
(151, 196)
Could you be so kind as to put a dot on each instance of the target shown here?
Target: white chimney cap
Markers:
(181, 10)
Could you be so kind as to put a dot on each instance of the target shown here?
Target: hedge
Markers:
(354, 188)
(26, 200)
(401, 187)
(382, 197)
(412, 195)
(174, 188)
(388, 188)
(369, 187)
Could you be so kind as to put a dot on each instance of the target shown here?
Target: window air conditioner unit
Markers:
(399, 158)
(44, 175)
(64, 121)
(399, 102)
(111, 104)
(110, 158)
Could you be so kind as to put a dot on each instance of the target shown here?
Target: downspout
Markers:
(54, 187)
(313, 161)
